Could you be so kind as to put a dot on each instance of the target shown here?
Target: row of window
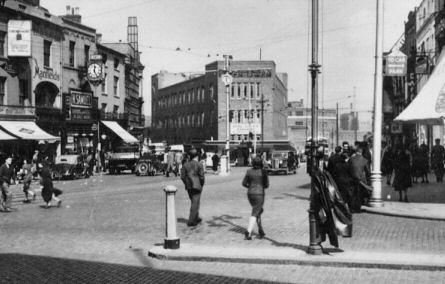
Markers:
(115, 85)
(191, 96)
(245, 90)
(244, 115)
(188, 120)
(244, 137)
(72, 53)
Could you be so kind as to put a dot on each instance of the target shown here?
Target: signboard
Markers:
(19, 38)
(81, 99)
(422, 64)
(396, 128)
(396, 64)
(245, 128)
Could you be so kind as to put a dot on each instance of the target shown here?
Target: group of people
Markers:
(29, 170)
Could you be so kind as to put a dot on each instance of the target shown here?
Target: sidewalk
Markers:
(391, 238)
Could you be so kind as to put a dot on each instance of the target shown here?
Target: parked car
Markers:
(149, 164)
(123, 158)
(69, 167)
(278, 163)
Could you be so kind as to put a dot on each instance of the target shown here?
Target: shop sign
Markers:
(396, 128)
(19, 38)
(260, 73)
(422, 64)
(46, 74)
(81, 99)
(396, 64)
(245, 128)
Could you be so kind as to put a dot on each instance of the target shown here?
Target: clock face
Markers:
(94, 71)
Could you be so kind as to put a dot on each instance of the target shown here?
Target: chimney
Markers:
(98, 38)
(68, 9)
(72, 14)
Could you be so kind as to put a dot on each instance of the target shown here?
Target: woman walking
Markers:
(256, 181)
(402, 168)
(49, 193)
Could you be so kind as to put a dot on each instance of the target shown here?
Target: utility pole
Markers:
(314, 236)
(355, 112)
(336, 125)
(227, 80)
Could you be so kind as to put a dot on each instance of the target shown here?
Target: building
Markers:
(192, 109)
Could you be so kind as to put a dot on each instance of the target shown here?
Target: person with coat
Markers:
(256, 181)
(215, 162)
(437, 160)
(49, 193)
(170, 163)
(192, 175)
(359, 170)
(402, 172)
(6, 175)
(28, 172)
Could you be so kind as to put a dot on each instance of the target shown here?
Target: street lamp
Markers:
(227, 80)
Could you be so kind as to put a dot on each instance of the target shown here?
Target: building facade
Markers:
(190, 109)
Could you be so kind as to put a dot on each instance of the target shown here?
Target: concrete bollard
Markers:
(171, 240)
(224, 169)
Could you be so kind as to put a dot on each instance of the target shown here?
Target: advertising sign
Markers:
(245, 128)
(19, 38)
(81, 99)
(396, 64)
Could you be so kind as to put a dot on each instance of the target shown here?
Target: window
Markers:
(115, 109)
(47, 53)
(246, 92)
(258, 91)
(239, 91)
(71, 53)
(232, 92)
(2, 90)
(252, 90)
(116, 86)
(116, 63)
(103, 85)
(103, 107)
(86, 53)
(23, 89)
(2, 44)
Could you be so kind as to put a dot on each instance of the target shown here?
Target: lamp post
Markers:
(314, 237)
(376, 175)
(227, 80)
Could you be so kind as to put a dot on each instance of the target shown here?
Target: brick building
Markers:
(192, 108)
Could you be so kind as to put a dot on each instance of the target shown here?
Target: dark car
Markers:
(279, 163)
(69, 167)
(149, 164)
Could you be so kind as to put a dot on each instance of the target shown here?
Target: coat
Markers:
(256, 180)
(47, 183)
(358, 168)
(192, 175)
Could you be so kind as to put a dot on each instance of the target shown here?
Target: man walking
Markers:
(192, 175)
(437, 160)
(358, 169)
(6, 174)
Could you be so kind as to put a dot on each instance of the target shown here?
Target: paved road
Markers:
(114, 220)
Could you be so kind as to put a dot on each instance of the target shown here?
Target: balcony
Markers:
(17, 112)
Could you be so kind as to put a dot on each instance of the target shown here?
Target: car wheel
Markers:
(154, 172)
(142, 168)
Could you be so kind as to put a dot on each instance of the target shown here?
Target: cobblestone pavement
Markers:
(107, 218)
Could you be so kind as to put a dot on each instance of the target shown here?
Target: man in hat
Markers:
(192, 175)
(6, 175)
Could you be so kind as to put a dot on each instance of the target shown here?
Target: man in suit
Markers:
(358, 169)
(192, 175)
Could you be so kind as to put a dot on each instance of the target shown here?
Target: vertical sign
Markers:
(19, 38)
(396, 64)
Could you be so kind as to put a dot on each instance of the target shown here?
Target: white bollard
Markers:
(224, 170)
(171, 240)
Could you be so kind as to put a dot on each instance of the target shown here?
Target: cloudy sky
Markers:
(183, 36)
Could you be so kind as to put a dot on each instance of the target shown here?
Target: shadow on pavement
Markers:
(297, 196)
(19, 268)
(306, 186)
(225, 220)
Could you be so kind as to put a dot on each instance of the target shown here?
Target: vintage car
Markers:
(123, 158)
(278, 163)
(69, 167)
(149, 164)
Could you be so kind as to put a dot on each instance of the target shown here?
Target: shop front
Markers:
(80, 128)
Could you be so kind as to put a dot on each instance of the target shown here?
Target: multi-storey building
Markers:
(193, 108)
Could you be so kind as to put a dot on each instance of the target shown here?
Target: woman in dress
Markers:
(256, 181)
(402, 172)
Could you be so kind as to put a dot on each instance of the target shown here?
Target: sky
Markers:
(184, 36)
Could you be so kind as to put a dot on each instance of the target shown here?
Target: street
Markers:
(112, 221)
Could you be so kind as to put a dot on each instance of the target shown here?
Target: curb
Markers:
(379, 211)
(190, 252)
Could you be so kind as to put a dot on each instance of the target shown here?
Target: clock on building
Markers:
(95, 72)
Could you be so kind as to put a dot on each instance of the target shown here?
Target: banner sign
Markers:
(81, 99)
(245, 128)
(19, 38)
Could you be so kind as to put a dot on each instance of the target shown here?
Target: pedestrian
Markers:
(437, 160)
(192, 175)
(291, 162)
(203, 158)
(424, 162)
(256, 181)
(359, 170)
(178, 161)
(388, 163)
(6, 175)
(28, 171)
(49, 192)
(170, 163)
(402, 172)
(215, 162)
(90, 162)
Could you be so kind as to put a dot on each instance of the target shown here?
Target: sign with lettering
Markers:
(396, 64)
(245, 128)
(46, 74)
(81, 99)
(19, 38)
(260, 73)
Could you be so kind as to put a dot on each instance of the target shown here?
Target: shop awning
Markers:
(122, 133)
(27, 130)
(6, 136)
(429, 105)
